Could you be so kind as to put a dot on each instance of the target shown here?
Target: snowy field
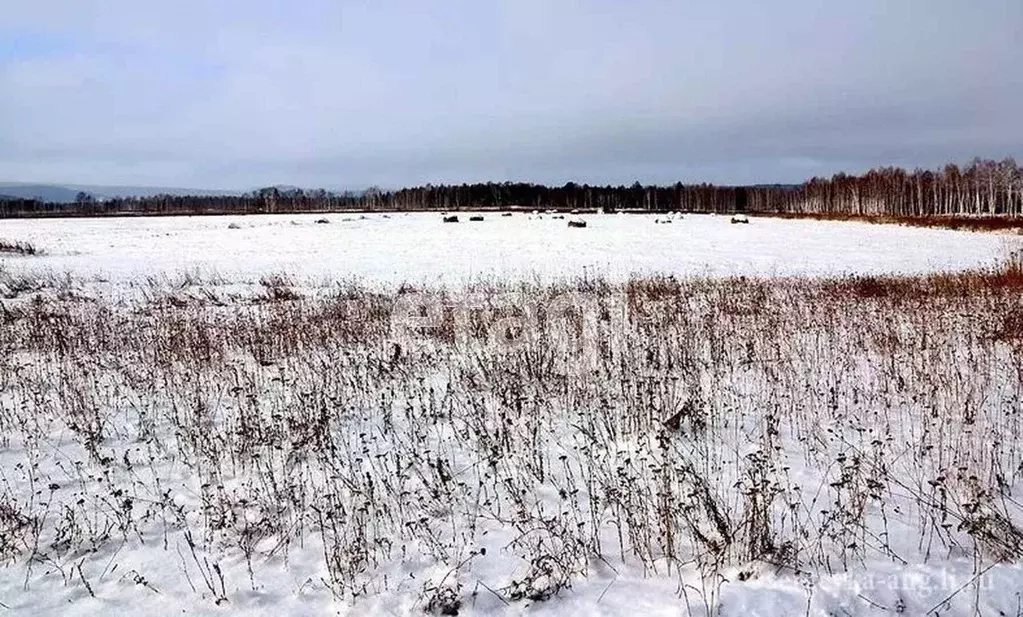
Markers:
(545, 444)
(419, 249)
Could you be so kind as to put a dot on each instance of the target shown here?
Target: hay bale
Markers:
(451, 219)
(577, 223)
(475, 219)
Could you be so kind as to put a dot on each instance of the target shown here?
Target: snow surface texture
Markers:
(419, 249)
(831, 383)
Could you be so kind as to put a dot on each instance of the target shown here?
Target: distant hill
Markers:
(66, 193)
(43, 192)
(774, 186)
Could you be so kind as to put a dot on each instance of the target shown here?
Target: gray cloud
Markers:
(236, 95)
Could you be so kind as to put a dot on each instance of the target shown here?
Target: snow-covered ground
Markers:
(197, 456)
(418, 248)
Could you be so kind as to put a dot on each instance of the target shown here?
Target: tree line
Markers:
(982, 188)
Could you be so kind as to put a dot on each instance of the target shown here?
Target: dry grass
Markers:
(18, 248)
(949, 221)
(810, 425)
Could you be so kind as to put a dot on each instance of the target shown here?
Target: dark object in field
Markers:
(740, 218)
(234, 226)
(475, 219)
(451, 219)
(322, 221)
(689, 412)
(558, 216)
(577, 223)
(506, 214)
(674, 423)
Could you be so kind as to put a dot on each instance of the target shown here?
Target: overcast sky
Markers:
(232, 94)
